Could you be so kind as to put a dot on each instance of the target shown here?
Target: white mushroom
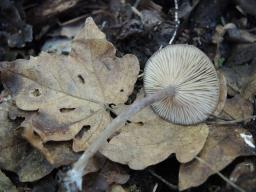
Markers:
(182, 86)
(192, 75)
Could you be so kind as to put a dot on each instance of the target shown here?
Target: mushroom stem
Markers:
(74, 176)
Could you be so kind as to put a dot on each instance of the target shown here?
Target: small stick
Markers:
(233, 121)
(177, 21)
(171, 186)
(135, 10)
(73, 180)
(155, 187)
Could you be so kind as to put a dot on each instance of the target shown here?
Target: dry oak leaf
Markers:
(68, 94)
(224, 144)
(16, 154)
(57, 153)
(148, 140)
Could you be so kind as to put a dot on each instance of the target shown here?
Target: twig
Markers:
(137, 2)
(155, 187)
(171, 186)
(233, 121)
(220, 175)
(73, 180)
(135, 10)
(177, 21)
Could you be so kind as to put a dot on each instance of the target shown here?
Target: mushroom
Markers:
(182, 86)
(192, 76)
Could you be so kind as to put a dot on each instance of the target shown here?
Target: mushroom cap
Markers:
(194, 78)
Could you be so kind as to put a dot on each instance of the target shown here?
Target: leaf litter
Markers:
(135, 146)
(67, 101)
(16, 154)
(224, 144)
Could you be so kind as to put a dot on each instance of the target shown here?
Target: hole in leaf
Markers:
(230, 96)
(140, 123)
(84, 129)
(66, 110)
(112, 105)
(121, 90)
(80, 77)
(35, 134)
(1, 87)
(36, 93)
(112, 114)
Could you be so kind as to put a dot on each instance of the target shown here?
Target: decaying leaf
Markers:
(244, 176)
(237, 77)
(33, 167)
(222, 94)
(249, 90)
(46, 10)
(111, 173)
(47, 184)
(57, 154)
(16, 154)
(14, 31)
(242, 54)
(68, 94)
(237, 108)
(6, 184)
(11, 147)
(223, 145)
(148, 140)
(114, 173)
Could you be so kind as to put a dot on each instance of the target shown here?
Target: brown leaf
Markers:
(57, 154)
(69, 93)
(111, 173)
(149, 140)
(237, 108)
(249, 90)
(244, 176)
(237, 77)
(16, 153)
(222, 95)
(11, 146)
(6, 184)
(33, 166)
(224, 144)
